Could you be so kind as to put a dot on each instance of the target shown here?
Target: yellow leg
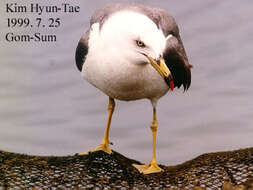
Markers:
(152, 167)
(105, 142)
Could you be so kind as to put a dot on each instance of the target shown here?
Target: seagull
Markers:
(133, 52)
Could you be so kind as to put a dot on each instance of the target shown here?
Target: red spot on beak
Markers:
(171, 85)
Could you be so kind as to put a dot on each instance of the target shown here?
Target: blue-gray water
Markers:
(46, 108)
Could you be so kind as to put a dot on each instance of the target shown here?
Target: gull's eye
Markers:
(140, 44)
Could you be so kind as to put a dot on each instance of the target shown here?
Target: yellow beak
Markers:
(163, 70)
(160, 66)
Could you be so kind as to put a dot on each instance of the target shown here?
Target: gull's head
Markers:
(131, 36)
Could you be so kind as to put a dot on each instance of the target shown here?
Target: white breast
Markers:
(124, 81)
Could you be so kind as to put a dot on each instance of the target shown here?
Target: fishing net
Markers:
(98, 170)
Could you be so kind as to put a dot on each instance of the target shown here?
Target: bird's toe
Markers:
(148, 168)
(103, 147)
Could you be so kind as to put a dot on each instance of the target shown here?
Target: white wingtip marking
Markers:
(169, 36)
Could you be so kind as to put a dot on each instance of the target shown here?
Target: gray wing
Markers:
(174, 55)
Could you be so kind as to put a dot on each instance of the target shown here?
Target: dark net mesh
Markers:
(98, 170)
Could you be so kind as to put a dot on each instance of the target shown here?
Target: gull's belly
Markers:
(126, 81)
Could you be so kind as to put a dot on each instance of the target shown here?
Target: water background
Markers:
(46, 108)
